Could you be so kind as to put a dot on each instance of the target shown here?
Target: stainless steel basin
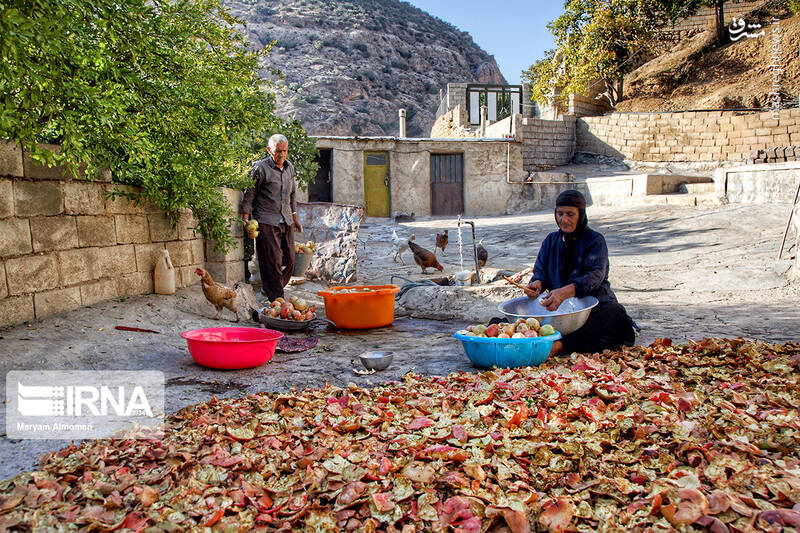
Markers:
(570, 315)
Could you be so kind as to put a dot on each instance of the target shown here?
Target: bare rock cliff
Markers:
(349, 65)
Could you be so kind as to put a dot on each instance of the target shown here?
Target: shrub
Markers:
(179, 121)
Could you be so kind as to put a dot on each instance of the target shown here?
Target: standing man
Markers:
(271, 201)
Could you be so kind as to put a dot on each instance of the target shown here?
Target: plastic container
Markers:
(488, 352)
(164, 275)
(232, 348)
(302, 260)
(372, 308)
(463, 277)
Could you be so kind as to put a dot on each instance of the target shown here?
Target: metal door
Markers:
(377, 199)
(447, 184)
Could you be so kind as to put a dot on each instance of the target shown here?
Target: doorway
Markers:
(447, 184)
(321, 188)
(377, 199)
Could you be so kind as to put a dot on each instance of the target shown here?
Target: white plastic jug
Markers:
(164, 275)
(463, 277)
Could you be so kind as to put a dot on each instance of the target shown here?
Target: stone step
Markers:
(697, 188)
(685, 199)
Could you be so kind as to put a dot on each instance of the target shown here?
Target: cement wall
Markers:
(485, 189)
(581, 106)
(64, 244)
(696, 136)
(761, 183)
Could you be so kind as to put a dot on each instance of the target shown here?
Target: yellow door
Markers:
(377, 199)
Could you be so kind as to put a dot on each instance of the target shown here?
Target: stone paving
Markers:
(682, 272)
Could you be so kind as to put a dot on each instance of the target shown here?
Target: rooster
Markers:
(399, 246)
(441, 242)
(423, 257)
(483, 254)
(219, 295)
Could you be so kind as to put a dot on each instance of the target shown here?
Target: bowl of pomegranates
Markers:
(508, 344)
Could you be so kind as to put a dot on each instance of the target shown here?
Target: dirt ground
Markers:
(682, 272)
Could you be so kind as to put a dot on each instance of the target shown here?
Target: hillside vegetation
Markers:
(695, 75)
(349, 65)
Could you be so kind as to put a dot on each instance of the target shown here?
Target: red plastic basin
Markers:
(232, 348)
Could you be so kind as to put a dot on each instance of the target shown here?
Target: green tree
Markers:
(163, 93)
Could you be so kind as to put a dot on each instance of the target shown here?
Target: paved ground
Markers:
(681, 272)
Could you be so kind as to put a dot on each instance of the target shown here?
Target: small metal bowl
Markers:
(378, 360)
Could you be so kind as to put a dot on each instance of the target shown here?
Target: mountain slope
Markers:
(349, 65)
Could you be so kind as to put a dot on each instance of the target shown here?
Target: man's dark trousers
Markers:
(275, 249)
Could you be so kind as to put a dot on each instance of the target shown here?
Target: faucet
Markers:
(474, 246)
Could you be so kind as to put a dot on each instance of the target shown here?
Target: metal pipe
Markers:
(402, 114)
(474, 247)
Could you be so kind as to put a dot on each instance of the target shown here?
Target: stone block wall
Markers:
(547, 143)
(696, 136)
(64, 244)
(705, 17)
(581, 106)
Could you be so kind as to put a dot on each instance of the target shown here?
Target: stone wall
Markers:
(695, 136)
(705, 18)
(547, 143)
(64, 244)
(581, 106)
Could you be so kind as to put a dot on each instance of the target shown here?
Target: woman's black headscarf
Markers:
(567, 253)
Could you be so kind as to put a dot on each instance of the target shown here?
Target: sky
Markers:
(513, 31)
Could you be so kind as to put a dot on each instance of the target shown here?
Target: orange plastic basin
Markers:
(373, 308)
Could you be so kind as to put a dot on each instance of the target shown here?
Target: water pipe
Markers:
(474, 246)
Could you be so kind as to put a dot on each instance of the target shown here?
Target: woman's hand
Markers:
(555, 297)
(534, 288)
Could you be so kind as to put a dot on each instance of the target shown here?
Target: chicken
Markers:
(399, 246)
(219, 295)
(423, 257)
(441, 242)
(483, 254)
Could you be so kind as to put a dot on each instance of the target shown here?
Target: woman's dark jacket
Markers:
(584, 263)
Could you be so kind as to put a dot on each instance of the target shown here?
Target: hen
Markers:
(441, 241)
(399, 246)
(483, 254)
(423, 257)
(219, 295)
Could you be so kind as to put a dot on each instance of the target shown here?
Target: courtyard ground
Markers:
(682, 272)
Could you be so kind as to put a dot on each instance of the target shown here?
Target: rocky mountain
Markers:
(349, 65)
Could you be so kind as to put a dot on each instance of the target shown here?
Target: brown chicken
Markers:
(441, 242)
(483, 254)
(423, 257)
(219, 295)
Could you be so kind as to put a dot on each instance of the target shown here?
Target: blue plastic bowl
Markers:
(488, 352)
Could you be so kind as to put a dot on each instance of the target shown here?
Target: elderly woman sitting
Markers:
(573, 261)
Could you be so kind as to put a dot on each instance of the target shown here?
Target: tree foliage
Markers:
(163, 93)
(597, 42)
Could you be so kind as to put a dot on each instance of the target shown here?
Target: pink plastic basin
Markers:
(232, 348)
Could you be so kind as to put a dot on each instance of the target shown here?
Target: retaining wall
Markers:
(547, 143)
(64, 245)
(707, 136)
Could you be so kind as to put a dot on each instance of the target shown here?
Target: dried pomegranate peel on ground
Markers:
(698, 437)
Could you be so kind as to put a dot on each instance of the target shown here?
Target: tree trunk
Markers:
(719, 11)
(613, 90)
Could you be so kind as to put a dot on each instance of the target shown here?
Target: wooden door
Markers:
(447, 184)
(377, 199)
(320, 190)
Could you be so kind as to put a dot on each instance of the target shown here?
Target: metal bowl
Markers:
(378, 360)
(570, 315)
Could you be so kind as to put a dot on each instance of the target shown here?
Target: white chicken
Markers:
(398, 246)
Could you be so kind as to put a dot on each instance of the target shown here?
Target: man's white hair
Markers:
(277, 139)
